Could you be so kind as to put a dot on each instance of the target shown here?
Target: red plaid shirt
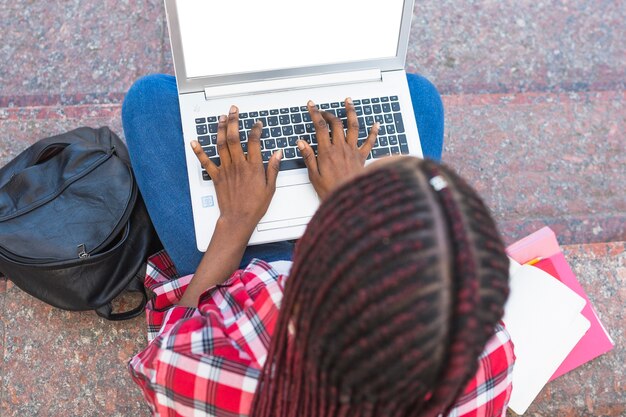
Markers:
(206, 361)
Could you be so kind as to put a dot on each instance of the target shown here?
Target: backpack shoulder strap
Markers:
(135, 285)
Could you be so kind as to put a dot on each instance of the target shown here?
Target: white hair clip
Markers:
(438, 183)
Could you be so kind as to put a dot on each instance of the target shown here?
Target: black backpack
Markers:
(74, 231)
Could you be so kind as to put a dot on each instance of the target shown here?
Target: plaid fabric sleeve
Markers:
(205, 361)
(489, 392)
(167, 288)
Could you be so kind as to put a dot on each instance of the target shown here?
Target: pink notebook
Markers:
(543, 244)
(596, 341)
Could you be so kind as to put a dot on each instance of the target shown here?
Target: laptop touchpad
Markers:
(291, 202)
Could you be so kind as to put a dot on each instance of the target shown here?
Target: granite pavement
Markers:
(535, 121)
(556, 159)
(60, 363)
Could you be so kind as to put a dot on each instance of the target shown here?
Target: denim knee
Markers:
(424, 86)
(146, 90)
(423, 82)
(146, 97)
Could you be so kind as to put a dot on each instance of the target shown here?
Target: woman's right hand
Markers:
(243, 187)
(339, 158)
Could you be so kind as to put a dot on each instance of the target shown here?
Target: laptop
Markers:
(269, 57)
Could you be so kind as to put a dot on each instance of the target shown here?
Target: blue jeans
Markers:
(151, 120)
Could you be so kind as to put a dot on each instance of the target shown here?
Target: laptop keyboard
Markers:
(284, 126)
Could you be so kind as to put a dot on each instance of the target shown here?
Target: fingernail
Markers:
(222, 118)
(194, 144)
(349, 100)
(301, 144)
(233, 109)
(279, 154)
(310, 103)
(377, 125)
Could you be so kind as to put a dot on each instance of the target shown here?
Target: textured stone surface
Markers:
(86, 52)
(77, 51)
(557, 159)
(598, 387)
(20, 127)
(508, 46)
(59, 363)
(168, 63)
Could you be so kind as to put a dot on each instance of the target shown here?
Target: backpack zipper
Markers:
(82, 251)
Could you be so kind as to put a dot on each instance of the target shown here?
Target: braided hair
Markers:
(396, 287)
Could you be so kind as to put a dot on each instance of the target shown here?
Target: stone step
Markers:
(537, 159)
(482, 47)
(22, 126)
(557, 159)
(54, 362)
(513, 46)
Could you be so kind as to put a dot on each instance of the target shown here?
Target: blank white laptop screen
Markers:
(222, 37)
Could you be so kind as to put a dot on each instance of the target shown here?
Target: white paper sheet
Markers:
(543, 317)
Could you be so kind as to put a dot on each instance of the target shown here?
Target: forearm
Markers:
(220, 260)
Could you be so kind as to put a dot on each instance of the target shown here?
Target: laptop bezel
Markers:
(197, 84)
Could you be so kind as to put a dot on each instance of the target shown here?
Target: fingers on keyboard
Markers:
(281, 128)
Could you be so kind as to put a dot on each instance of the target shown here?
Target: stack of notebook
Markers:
(552, 323)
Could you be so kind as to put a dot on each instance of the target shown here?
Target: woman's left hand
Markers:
(339, 157)
(244, 189)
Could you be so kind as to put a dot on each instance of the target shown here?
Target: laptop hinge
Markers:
(295, 83)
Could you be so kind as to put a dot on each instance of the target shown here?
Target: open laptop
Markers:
(269, 57)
